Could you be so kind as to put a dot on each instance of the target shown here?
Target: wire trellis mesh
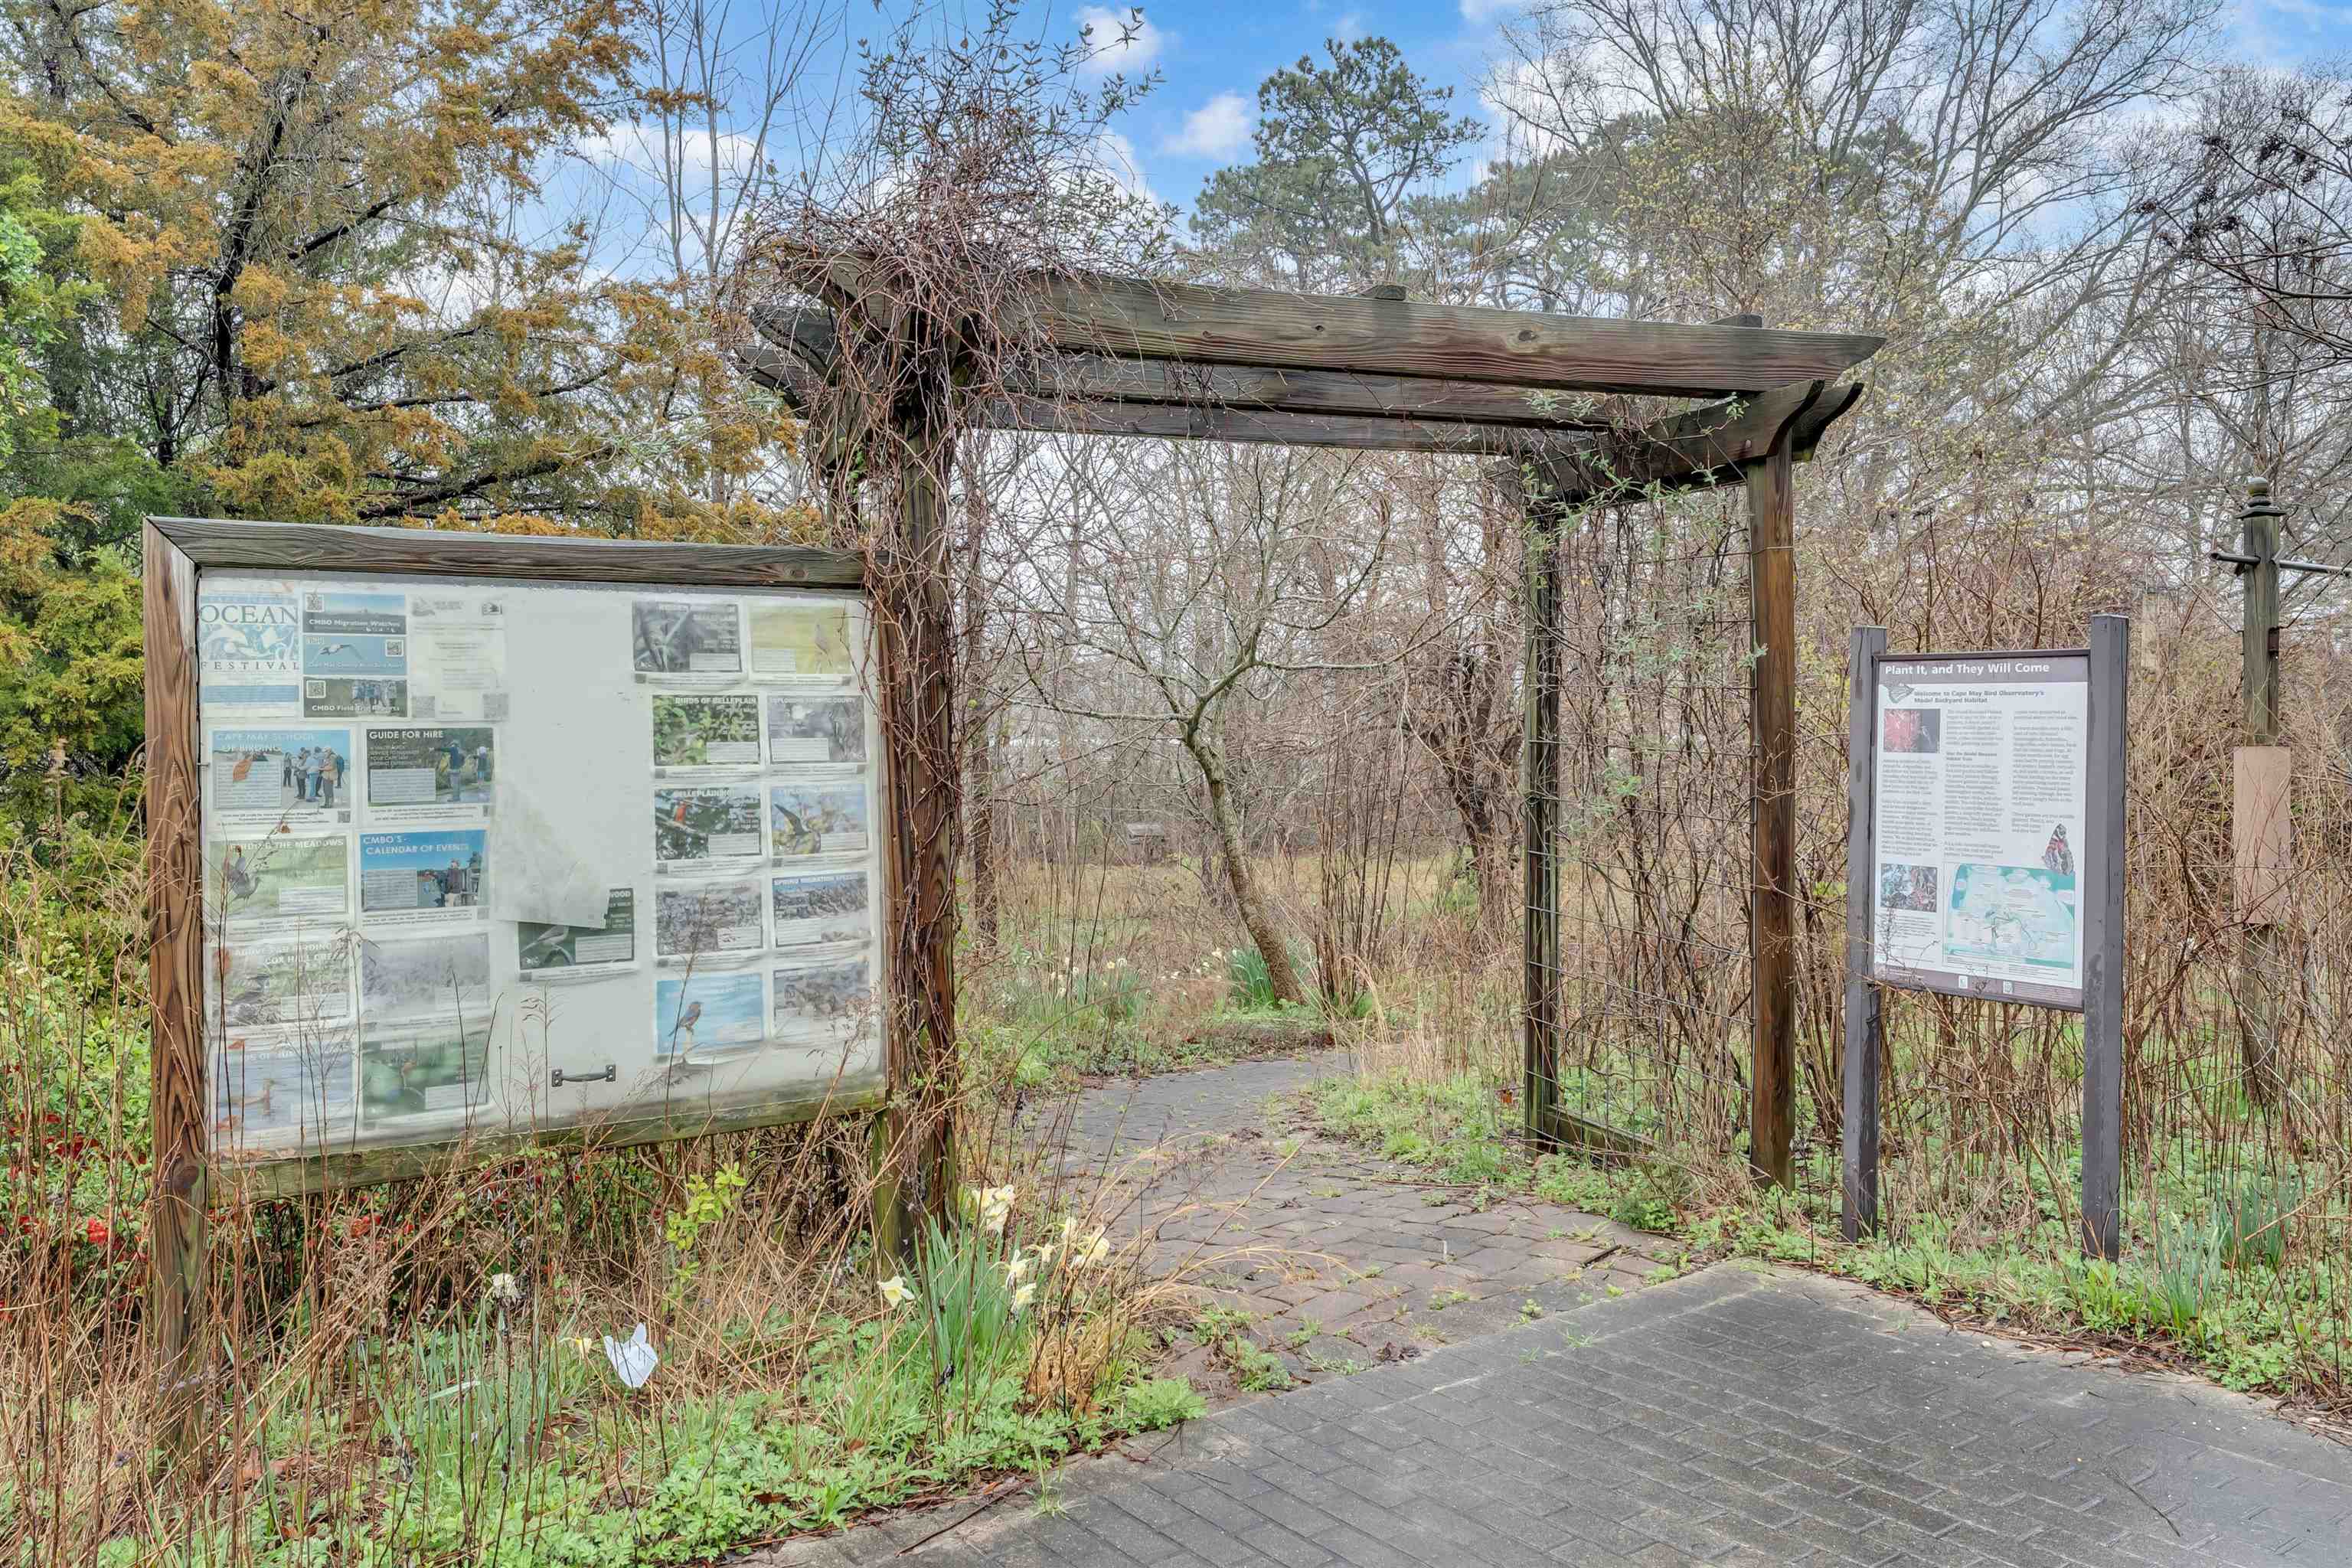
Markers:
(1649, 849)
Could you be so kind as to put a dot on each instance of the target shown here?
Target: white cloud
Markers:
(1488, 10)
(1349, 27)
(1116, 158)
(1218, 129)
(639, 146)
(1117, 40)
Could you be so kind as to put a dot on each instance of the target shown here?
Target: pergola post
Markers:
(1772, 917)
(914, 1160)
(1539, 809)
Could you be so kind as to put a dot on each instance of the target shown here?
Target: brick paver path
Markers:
(1733, 1417)
(1342, 1260)
(1739, 1416)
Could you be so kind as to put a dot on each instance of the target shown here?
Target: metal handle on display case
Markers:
(556, 1078)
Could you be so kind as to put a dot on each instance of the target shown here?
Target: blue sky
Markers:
(1212, 54)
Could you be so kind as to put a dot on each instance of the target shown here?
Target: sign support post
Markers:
(2103, 941)
(1859, 1125)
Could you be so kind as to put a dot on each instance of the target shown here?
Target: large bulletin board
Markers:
(504, 838)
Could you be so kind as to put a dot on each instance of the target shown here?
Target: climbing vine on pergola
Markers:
(1108, 356)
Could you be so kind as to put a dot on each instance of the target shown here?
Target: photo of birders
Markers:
(1903, 886)
(818, 818)
(344, 698)
(808, 641)
(829, 1001)
(279, 773)
(830, 906)
(418, 766)
(817, 728)
(439, 870)
(541, 947)
(294, 983)
(1918, 732)
(707, 919)
(439, 976)
(431, 1071)
(695, 730)
(286, 1091)
(278, 877)
(673, 637)
(717, 1010)
(705, 822)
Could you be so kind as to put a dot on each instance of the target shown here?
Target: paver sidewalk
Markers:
(1339, 1258)
(1735, 1417)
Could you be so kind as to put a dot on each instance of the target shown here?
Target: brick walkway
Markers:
(1738, 1418)
(1733, 1417)
(1341, 1260)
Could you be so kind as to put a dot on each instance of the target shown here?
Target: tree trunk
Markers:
(1257, 915)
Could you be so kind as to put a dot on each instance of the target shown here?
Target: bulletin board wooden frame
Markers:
(177, 552)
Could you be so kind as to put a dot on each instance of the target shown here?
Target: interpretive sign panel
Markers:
(487, 854)
(1978, 824)
(1985, 859)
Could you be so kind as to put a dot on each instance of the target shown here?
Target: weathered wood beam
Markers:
(1703, 447)
(1207, 326)
(1353, 432)
(800, 344)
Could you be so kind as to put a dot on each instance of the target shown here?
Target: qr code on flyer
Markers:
(494, 705)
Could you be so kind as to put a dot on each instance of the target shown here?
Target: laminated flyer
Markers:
(281, 878)
(819, 811)
(543, 949)
(437, 977)
(1977, 820)
(435, 878)
(297, 778)
(695, 731)
(430, 773)
(706, 922)
(249, 652)
(804, 642)
(824, 999)
(457, 656)
(695, 824)
(287, 1090)
(439, 1070)
(718, 1011)
(686, 637)
(816, 729)
(354, 654)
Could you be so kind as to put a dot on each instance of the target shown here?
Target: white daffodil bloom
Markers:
(505, 1288)
(1014, 1269)
(894, 1291)
(1023, 1296)
(1095, 1247)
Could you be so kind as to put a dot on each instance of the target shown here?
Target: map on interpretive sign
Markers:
(1980, 809)
(2013, 914)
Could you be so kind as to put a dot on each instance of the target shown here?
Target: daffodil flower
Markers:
(1095, 1247)
(1015, 1269)
(895, 1292)
(1024, 1296)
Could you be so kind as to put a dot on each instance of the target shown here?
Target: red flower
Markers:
(96, 1233)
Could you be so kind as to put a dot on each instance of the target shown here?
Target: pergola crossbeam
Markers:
(800, 344)
(1250, 326)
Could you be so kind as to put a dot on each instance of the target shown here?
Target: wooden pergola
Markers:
(1380, 372)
